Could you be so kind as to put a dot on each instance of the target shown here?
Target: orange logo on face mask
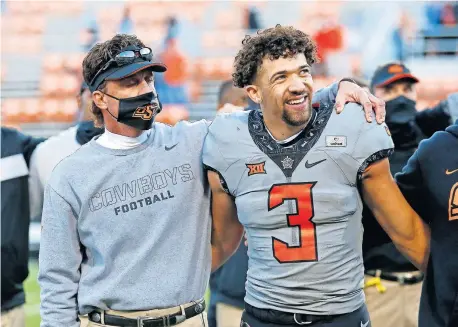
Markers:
(395, 69)
(145, 113)
(257, 168)
(453, 203)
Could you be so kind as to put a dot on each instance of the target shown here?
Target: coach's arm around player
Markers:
(409, 232)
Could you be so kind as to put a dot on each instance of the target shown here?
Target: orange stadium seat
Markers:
(229, 19)
(31, 110)
(69, 84)
(17, 7)
(73, 62)
(209, 67)
(68, 110)
(106, 33)
(144, 11)
(195, 90)
(210, 40)
(49, 85)
(11, 110)
(234, 38)
(109, 19)
(150, 34)
(3, 72)
(50, 109)
(225, 68)
(31, 44)
(53, 62)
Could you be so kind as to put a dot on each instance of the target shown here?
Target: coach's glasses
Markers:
(125, 58)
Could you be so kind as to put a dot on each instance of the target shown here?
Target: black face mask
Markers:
(139, 111)
(400, 118)
(400, 110)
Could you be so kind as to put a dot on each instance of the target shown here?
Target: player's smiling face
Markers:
(285, 87)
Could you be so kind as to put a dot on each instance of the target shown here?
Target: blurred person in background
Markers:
(16, 151)
(402, 37)
(393, 284)
(228, 94)
(227, 284)
(172, 29)
(126, 26)
(49, 153)
(172, 85)
(429, 182)
(329, 39)
(252, 18)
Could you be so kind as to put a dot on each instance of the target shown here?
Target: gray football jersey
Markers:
(300, 205)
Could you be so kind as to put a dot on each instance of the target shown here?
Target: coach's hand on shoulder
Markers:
(351, 92)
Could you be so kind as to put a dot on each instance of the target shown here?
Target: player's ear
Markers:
(254, 93)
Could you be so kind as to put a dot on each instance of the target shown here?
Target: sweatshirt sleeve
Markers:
(59, 271)
(327, 94)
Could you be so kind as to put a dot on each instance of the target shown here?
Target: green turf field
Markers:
(32, 291)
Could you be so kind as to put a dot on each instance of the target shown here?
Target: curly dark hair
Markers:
(275, 42)
(98, 56)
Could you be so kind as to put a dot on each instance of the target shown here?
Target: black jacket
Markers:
(227, 284)
(430, 184)
(379, 252)
(16, 150)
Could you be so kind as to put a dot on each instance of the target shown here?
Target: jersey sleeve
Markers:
(212, 156)
(373, 143)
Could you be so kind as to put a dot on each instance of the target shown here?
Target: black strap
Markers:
(286, 318)
(164, 321)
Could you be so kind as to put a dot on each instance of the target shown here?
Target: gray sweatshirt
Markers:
(128, 229)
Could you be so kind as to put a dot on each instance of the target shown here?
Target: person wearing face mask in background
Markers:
(393, 284)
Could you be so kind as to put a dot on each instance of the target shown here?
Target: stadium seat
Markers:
(53, 63)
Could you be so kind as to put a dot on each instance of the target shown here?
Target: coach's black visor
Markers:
(128, 62)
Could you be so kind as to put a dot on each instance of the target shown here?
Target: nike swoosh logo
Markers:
(167, 148)
(449, 172)
(310, 165)
(364, 325)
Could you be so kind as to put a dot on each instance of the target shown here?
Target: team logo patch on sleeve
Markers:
(387, 130)
(256, 168)
(453, 203)
(336, 141)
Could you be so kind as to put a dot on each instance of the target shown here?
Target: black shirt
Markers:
(430, 184)
(379, 252)
(16, 150)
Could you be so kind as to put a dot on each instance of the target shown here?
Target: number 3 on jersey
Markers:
(302, 194)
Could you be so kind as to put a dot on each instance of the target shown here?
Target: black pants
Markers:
(358, 318)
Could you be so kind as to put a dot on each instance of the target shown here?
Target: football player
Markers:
(293, 176)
